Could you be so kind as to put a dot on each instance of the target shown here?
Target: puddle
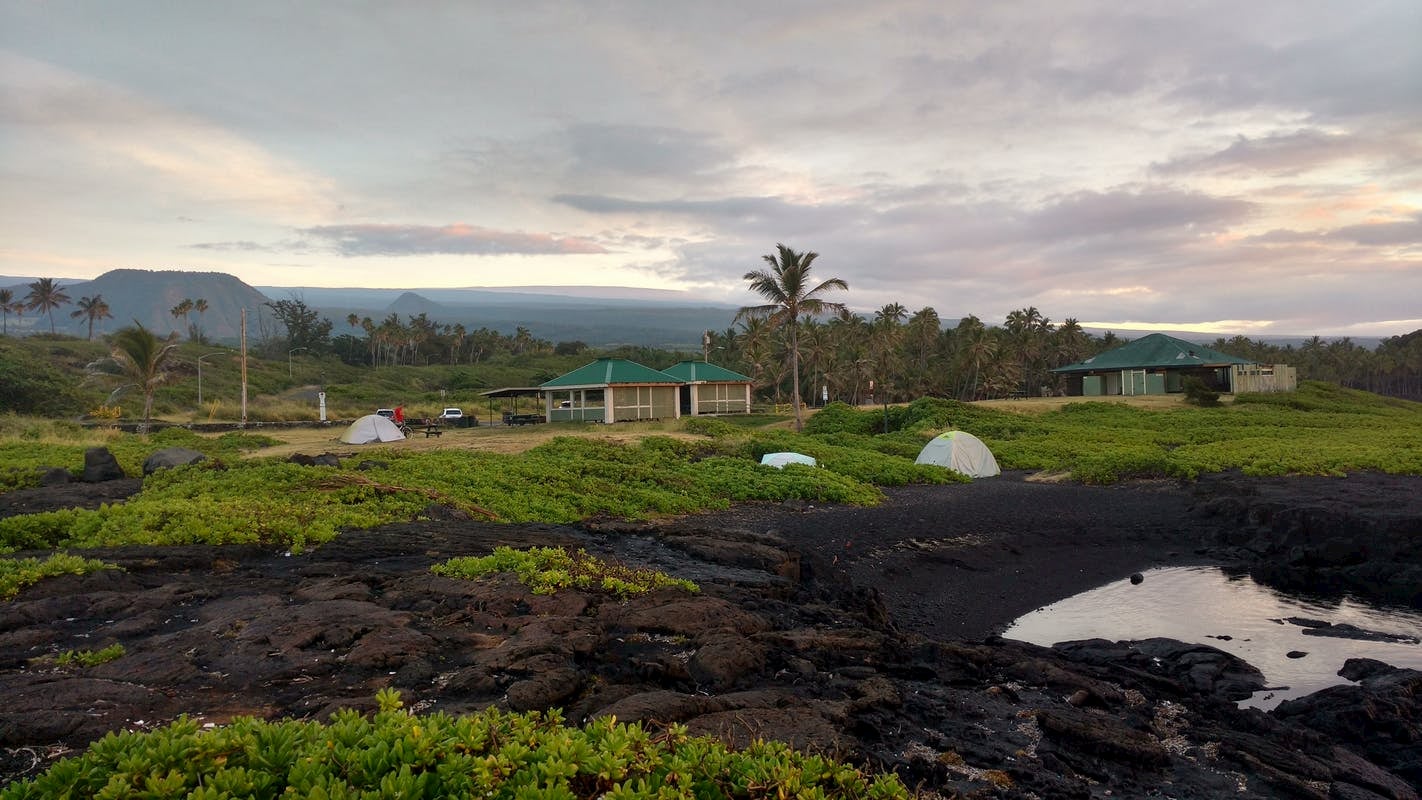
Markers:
(1196, 604)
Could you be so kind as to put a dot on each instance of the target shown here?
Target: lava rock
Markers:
(1356, 669)
(323, 460)
(54, 476)
(100, 465)
(170, 457)
(1381, 718)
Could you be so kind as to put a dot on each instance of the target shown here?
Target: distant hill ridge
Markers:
(596, 315)
(148, 296)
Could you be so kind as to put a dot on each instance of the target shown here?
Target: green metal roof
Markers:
(605, 371)
(704, 371)
(1155, 350)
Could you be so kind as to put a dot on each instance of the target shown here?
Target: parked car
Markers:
(388, 413)
(455, 418)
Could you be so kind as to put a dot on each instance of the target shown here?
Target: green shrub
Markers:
(86, 658)
(840, 417)
(399, 754)
(25, 448)
(710, 426)
(17, 573)
(1198, 394)
(273, 502)
(548, 569)
(1320, 429)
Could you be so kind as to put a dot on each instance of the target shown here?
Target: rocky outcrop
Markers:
(1321, 535)
(1380, 717)
(170, 457)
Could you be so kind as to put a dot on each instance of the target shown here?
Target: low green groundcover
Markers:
(491, 754)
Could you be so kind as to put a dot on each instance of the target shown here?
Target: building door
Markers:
(1133, 381)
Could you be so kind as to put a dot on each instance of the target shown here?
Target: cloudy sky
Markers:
(1229, 167)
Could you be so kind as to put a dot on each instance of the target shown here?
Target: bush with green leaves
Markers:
(273, 502)
(24, 449)
(711, 427)
(399, 754)
(545, 570)
(17, 573)
(84, 658)
(1198, 394)
(1318, 430)
(1321, 429)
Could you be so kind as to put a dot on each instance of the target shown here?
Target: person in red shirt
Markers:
(399, 415)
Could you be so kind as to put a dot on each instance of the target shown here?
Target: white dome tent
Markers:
(962, 452)
(371, 428)
(779, 460)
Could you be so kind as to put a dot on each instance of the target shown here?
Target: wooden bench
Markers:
(523, 419)
(432, 429)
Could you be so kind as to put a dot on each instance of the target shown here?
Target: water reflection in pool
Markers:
(1197, 604)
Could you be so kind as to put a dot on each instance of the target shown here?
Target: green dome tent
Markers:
(962, 452)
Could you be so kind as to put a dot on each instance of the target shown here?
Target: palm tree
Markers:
(786, 286)
(7, 304)
(977, 347)
(45, 296)
(94, 308)
(922, 335)
(200, 306)
(181, 310)
(141, 359)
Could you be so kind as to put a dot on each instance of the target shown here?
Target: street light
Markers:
(288, 359)
(200, 358)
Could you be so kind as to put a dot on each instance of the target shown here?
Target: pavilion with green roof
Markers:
(1159, 364)
(710, 389)
(612, 390)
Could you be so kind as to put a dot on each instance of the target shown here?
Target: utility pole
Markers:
(244, 367)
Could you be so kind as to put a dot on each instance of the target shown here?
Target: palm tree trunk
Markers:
(147, 410)
(795, 374)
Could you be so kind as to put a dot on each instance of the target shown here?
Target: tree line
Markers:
(392, 341)
(895, 355)
(799, 345)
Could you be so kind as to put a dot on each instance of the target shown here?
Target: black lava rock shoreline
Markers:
(863, 633)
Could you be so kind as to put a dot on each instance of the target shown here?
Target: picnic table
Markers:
(431, 427)
(511, 418)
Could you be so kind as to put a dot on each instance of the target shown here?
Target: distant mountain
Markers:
(356, 297)
(148, 297)
(598, 316)
(410, 304)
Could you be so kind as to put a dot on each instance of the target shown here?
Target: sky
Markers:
(1221, 167)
